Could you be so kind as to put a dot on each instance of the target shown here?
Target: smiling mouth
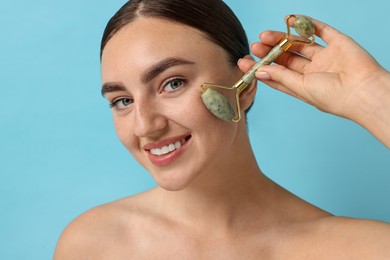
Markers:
(166, 149)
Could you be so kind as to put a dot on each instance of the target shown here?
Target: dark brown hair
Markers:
(212, 17)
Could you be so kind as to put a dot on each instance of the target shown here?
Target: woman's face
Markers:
(152, 70)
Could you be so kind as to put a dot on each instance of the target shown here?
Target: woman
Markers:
(212, 200)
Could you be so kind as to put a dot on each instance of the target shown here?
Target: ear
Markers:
(247, 96)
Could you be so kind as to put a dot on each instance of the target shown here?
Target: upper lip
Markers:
(165, 142)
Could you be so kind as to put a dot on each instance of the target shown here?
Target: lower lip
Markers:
(165, 160)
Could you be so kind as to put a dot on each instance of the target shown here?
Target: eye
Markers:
(173, 84)
(121, 103)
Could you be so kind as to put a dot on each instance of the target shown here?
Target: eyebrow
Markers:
(112, 87)
(148, 75)
(160, 67)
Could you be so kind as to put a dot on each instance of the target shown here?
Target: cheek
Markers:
(123, 131)
(199, 117)
(186, 109)
(201, 120)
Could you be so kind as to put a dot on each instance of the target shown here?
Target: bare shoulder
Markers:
(360, 229)
(357, 238)
(102, 230)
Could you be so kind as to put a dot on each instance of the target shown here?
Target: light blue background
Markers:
(59, 155)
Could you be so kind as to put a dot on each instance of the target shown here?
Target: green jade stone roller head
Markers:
(220, 106)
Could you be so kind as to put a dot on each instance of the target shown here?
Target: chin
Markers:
(172, 183)
(172, 186)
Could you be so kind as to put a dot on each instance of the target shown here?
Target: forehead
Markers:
(147, 40)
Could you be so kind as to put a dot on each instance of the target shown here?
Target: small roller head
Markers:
(304, 27)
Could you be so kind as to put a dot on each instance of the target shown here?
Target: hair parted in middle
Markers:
(211, 17)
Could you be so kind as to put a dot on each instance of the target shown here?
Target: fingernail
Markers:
(239, 61)
(262, 75)
(252, 44)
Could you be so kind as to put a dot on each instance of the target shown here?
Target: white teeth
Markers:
(156, 151)
(167, 149)
(177, 145)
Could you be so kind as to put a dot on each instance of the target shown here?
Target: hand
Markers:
(341, 78)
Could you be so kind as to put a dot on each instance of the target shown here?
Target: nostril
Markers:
(148, 121)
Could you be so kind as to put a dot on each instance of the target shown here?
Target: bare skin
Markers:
(139, 228)
(213, 201)
(340, 78)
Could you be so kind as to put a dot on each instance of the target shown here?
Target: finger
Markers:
(260, 49)
(283, 89)
(284, 79)
(288, 59)
(272, 38)
(323, 30)
(246, 63)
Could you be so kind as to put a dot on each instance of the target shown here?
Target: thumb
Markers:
(282, 79)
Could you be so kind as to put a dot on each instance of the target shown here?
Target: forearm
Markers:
(372, 110)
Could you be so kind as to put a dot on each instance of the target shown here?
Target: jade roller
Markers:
(220, 106)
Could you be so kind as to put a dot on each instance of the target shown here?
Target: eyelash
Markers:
(113, 104)
(171, 80)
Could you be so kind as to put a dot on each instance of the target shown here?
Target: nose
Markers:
(148, 120)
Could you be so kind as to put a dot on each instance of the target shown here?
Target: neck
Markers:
(233, 191)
